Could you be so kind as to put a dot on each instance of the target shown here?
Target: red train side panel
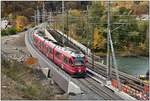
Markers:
(64, 57)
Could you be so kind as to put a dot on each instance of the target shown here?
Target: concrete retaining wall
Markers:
(58, 75)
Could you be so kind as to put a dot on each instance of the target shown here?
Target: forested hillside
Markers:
(86, 21)
(27, 8)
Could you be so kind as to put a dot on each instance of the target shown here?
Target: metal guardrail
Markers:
(82, 47)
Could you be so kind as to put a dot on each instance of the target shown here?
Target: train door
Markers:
(66, 65)
(35, 40)
(44, 47)
(46, 50)
(38, 44)
(49, 53)
(57, 58)
(41, 45)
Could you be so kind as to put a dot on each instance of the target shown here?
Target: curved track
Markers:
(93, 85)
(125, 78)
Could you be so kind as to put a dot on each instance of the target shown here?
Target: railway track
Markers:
(102, 70)
(93, 86)
(58, 37)
(125, 78)
(97, 88)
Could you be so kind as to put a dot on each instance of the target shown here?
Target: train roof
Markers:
(71, 52)
(66, 50)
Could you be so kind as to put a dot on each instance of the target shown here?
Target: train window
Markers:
(65, 59)
(42, 43)
(70, 62)
(78, 61)
(57, 54)
(49, 49)
(39, 43)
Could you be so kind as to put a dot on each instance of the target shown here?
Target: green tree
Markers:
(96, 12)
(142, 26)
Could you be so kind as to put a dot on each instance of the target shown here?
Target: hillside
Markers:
(22, 82)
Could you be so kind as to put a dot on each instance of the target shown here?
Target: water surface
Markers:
(133, 65)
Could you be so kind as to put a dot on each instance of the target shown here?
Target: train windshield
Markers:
(79, 61)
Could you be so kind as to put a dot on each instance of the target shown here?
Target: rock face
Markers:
(23, 81)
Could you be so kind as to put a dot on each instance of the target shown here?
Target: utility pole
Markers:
(93, 46)
(50, 18)
(108, 47)
(38, 15)
(35, 17)
(43, 13)
(112, 49)
(88, 25)
(67, 26)
(63, 11)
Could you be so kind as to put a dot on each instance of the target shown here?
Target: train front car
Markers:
(78, 63)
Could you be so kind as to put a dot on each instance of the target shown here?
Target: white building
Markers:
(4, 24)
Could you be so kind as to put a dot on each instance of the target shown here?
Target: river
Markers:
(133, 65)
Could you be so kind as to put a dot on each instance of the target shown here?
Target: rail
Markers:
(122, 75)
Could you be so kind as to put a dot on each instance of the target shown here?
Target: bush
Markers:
(8, 31)
(3, 33)
(11, 31)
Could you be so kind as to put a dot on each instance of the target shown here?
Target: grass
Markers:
(27, 82)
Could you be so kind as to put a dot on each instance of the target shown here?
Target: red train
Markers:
(70, 60)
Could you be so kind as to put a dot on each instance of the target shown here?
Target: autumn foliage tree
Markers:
(99, 40)
(21, 22)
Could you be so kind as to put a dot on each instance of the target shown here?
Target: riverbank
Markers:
(130, 63)
(124, 54)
